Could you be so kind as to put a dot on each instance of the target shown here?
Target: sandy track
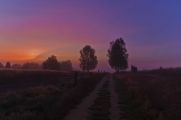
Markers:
(81, 111)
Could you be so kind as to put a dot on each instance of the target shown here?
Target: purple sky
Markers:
(151, 29)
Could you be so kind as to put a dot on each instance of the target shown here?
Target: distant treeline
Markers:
(50, 64)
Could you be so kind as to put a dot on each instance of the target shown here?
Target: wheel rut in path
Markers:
(81, 111)
(101, 104)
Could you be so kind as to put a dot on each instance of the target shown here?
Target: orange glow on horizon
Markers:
(15, 56)
(19, 55)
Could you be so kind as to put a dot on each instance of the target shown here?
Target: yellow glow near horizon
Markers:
(34, 53)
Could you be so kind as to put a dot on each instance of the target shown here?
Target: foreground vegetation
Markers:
(100, 110)
(153, 95)
(50, 95)
(43, 101)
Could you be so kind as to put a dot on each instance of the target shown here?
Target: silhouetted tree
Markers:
(51, 63)
(1, 65)
(117, 53)
(31, 65)
(8, 65)
(88, 60)
(66, 65)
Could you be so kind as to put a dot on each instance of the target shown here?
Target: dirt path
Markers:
(82, 111)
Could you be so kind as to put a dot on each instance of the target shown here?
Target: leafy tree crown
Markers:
(88, 60)
(117, 54)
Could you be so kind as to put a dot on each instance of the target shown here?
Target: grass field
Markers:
(157, 92)
(50, 95)
(41, 95)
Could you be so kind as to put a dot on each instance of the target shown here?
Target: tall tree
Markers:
(51, 63)
(88, 60)
(117, 53)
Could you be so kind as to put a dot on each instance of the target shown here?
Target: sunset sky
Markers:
(150, 28)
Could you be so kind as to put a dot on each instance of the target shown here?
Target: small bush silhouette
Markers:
(1, 65)
(134, 69)
(51, 63)
(66, 65)
(16, 66)
(31, 66)
(8, 65)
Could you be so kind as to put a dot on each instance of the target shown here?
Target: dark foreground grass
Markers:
(50, 102)
(156, 93)
(100, 110)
